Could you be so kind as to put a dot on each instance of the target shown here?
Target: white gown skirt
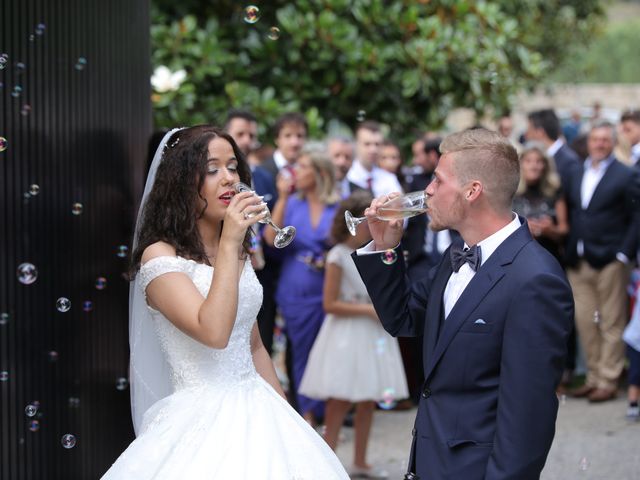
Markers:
(355, 359)
(246, 431)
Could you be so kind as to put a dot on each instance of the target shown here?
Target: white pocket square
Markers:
(480, 322)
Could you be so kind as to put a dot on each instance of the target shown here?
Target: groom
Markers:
(495, 318)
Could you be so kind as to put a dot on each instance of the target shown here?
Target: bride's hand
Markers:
(244, 210)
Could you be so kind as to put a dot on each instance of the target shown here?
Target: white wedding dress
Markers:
(222, 421)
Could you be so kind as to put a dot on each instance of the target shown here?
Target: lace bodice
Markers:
(193, 363)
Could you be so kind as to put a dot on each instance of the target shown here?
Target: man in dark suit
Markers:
(603, 203)
(495, 318)
(341, 152)
(544, 127)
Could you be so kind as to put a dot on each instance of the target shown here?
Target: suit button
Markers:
(413, 432)
(426, 393)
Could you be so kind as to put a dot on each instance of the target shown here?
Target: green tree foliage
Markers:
(405, 63)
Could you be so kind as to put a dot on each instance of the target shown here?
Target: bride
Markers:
(206, 402)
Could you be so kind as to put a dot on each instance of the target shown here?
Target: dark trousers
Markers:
(634, 366)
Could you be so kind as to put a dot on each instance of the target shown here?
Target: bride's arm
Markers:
(208, 320)
(263, 363)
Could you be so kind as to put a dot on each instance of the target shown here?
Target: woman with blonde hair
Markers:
(299, 294)
(539, 199)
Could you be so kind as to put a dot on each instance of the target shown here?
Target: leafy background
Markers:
(404, 63)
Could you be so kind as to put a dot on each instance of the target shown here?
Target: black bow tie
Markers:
(470, 255)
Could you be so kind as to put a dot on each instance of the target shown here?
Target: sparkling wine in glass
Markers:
(285, 235)
(404, 206)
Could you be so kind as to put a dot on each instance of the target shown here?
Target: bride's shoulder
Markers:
(158, 249)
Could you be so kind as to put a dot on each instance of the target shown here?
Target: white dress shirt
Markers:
(555, 146)
(382, 182)
(635, 154)
(279, 159)
(459, 280)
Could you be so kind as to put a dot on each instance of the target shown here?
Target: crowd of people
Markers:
(595, 240)
(580, 204)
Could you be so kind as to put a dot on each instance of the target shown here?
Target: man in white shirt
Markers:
(602, 199)
(365, 172)
(290, 132)
(630, 125)
(341, 152)
(495, 314)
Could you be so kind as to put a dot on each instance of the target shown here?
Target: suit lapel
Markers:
(435, 306)
(481, 284)
(603, 185)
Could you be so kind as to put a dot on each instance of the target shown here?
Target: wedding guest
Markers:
(630, 126)
(544, 127)
(290, 134)
(205, 397)
(341, 152)
(299, 292)
(365, 171)
(539, 199)
(391, 161)
(353, 359)
(603, 198)
(242, 125)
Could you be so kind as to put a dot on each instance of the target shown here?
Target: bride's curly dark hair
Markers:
(172, 208)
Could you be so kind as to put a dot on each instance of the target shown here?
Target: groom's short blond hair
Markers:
(488, 157)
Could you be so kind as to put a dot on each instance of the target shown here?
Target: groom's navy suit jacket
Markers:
(488, 406)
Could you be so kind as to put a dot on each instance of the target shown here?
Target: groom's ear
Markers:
(474, 190)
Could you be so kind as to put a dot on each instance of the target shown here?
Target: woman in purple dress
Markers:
(299, 291)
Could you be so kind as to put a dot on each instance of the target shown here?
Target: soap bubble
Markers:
(251, 14)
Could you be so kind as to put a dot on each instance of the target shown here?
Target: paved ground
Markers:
(592, 442)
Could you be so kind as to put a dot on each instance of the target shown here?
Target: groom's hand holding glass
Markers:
(385, 231)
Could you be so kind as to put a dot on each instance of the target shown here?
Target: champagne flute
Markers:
(403, 206)
(285, 235)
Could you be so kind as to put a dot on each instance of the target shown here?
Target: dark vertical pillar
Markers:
(75, 112)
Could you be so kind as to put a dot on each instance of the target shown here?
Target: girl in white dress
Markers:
(353, 360)
(206, 401)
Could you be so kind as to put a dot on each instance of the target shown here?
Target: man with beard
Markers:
(495, 314)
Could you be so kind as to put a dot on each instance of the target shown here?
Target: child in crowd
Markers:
(353, 360)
